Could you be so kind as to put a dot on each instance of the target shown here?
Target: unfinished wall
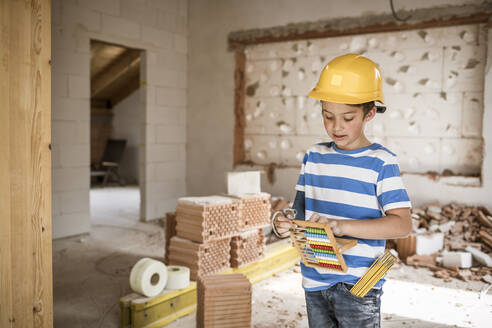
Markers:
(211, 92)
(126, 115)
(160, 29)
(433, 87)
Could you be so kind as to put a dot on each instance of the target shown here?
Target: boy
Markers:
(355, 186)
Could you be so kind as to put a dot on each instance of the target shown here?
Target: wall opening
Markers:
(115, 124)
(433, 85)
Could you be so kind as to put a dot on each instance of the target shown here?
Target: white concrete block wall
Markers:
(126, 125)
(160, 29)
(211, 77)
(429, 76)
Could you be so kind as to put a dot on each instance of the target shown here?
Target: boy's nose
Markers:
(338, 125)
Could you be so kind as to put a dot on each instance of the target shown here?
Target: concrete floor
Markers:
(91, 274)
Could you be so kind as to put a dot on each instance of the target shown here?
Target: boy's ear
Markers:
(370, 114)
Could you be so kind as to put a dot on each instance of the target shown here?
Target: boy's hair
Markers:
(366, 107)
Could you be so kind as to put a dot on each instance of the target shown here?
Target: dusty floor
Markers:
(91, 274)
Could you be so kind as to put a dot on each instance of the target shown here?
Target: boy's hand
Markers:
(282, 225)
(335, 225)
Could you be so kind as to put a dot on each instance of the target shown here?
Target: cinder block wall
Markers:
(125, 126)
(433, 87)
(211, 91)
(159, 28)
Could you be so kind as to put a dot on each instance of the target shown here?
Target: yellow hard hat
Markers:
(349, 79)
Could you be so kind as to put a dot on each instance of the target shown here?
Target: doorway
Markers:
(115, 132)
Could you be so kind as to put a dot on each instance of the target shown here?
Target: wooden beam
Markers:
(239, 103)
(26, 295)
(353, 26)
(131, 85)
(120, 66)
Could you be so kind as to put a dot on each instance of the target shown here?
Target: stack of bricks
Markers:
(201, 258)
(170, 232)
(204, 227)
(208, 218)
(249, 245)
(256, 211)
(223, 301)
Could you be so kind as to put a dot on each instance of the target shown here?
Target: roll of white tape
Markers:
(178, 277)
(148, 277)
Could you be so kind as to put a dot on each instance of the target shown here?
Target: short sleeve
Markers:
(390, 189)
(300, 182)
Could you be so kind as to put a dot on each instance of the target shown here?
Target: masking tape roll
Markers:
(148, 277)
(178, 277)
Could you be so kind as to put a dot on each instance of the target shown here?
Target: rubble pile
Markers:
(460, 232)
(462, 225)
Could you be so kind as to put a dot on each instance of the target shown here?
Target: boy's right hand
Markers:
(282, 225)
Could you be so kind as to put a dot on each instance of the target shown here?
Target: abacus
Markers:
(318, 246)
(375, 272)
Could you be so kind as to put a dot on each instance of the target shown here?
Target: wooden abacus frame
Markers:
(339, 245)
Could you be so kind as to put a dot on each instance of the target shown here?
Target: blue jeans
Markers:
(338, 307)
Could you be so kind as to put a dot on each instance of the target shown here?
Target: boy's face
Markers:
(345, 124)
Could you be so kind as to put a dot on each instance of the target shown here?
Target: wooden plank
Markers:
(6, 309)
(41, 167)
(239, 107)
(127, 87)
(147, 311)
(19, 74)
(120, 66)
(353, 26)
(26, 276)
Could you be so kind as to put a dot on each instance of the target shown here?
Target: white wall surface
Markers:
(160, 29)
(210, 110)
(433, 87)
(126, 118)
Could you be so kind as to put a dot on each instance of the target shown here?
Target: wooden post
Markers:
(26, 296)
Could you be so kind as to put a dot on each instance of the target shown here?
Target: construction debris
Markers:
(466, 232)
(457, 259)
(247, 247)
(223, 301)
(427, 244)
(480, 256)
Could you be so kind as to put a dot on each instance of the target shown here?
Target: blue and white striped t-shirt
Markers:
(358, 184)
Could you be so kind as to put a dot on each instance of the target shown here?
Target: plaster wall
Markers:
(126, 115)
(159, 28)
(211, 93)
(433, 87)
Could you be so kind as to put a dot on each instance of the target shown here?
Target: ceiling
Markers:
(115, 73)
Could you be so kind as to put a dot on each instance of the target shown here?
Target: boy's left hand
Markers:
(335, 225)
